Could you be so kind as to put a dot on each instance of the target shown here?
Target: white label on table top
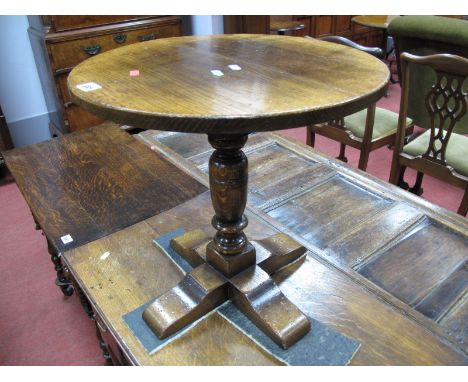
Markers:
(234, 67)
(89, 86)
(66, 239)
(217, 73)
(105, 255)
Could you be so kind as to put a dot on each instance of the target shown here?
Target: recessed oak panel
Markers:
(330, 209)
(366, 239)
(419, 263)
(185, 145)
(276, 173)
(456, 323)
(274, 163)
(253, 143)
(445, 295)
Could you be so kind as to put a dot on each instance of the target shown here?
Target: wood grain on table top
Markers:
(136, 270)
(94, 182)
(283, 82)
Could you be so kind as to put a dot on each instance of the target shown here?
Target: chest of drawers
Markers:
(5, 140)
(61, 42)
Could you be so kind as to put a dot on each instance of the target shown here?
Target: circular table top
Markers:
(228, 84)
(378, 21)
(285, 25)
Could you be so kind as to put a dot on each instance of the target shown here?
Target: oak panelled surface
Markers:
(411, 252)
(176, 90)
(137, 270)
(94, 182)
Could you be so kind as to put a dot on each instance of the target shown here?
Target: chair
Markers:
(366, 130)
(440, 151)
(424, 36)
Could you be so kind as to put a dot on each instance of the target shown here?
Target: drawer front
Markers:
(70, 53)
(69, 22)
(109, 344)
(79, 119)
(76, 117)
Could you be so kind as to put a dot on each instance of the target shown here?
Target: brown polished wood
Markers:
(446, 103)
(315, 26)
(230, 270)
(5, 141)
(337, 129)
(92, 183)
(250, 288)
(379, 22)
(63, 41)
(282, 27)
(356, 222)
(375, 21)
(347, 221)
(180, 87)
(235, 24)
(255, 98)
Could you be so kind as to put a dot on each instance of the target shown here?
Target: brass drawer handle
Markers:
(120, 38)
(92, 49)
(148, 37)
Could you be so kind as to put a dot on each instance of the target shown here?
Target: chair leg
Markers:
(396, 171)
(397, 176)
(342, 156)
(401, 180)
(463, 209)
(310, 137)
(364, 158)
(416, 189)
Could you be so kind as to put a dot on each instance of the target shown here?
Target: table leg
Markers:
(231, 269)
(229, 251)
(61, 281)
(87, 307)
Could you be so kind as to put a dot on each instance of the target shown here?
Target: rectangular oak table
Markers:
(383, 267)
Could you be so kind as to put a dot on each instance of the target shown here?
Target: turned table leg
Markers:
(61, 281)
(232, 270)
(229, 252)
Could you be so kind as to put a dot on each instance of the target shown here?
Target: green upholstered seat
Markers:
(435, 28)
(385, 123)
(456, 154)
(422, 36)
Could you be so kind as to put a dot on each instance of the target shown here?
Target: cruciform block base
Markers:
(252, 290)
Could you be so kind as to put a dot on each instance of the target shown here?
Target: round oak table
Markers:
(228, 86)
(378, 22)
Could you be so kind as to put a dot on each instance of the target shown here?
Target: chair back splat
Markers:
(440, 152)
